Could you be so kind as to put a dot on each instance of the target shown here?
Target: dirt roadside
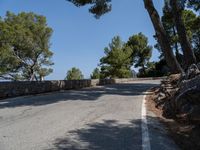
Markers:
(187, 137)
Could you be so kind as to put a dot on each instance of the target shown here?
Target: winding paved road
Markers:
(99, 118)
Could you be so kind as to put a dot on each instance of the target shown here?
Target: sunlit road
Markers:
(102, 118)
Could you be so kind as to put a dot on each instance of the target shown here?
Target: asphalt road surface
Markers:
(99, 118)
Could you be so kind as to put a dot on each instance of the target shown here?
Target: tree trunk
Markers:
(143, 70)
(31, 75)
(163, 39)
(175, 43)
(188, 53)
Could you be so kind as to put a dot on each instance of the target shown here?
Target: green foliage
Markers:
(196, 43)
(141, 51)
(155, 69)
(98, 7)
(42, 72)
(104, 6)
(194, 4)
(121, 56)
(191, 4)
(192, 24)
(95, 74)
(118, 61)
(24, 47)
(74, 74)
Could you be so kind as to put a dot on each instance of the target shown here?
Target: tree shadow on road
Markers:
(108, 135)
(114, 135)
(87, 94)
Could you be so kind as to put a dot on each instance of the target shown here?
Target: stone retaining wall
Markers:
(20, 88)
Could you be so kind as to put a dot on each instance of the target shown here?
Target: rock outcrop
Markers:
(179, 96)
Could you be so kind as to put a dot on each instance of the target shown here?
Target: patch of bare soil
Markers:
(186, 136)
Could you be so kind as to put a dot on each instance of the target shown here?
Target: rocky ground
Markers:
(177, 103)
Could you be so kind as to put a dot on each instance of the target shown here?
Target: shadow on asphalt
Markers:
(108, 135)
(112, 135)
(87, 94)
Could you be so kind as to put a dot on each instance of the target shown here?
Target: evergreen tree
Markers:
(118, 61)
(177, 9)
(103, 6)
(24, 47)
(95, 74)
(141, 51)
(74, 74)
(191, 22)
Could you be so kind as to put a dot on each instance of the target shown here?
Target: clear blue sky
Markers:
(79, 39)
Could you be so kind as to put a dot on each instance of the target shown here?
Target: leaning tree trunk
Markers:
(163, 39)
(188, 53)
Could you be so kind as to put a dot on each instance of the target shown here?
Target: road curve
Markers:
(99, 118)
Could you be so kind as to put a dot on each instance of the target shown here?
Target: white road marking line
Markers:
(145, 133)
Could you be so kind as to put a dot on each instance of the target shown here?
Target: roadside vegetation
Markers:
(173, 31)
(25, 54)
(121, 56)
(25, 43)
(74, 74)
(25, 47)
(177, 33)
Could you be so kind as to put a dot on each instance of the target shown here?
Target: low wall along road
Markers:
(21, 88)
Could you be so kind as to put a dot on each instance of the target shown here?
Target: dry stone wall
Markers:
(20, 88)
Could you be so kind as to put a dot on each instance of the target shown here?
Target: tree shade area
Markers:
(24, 47)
